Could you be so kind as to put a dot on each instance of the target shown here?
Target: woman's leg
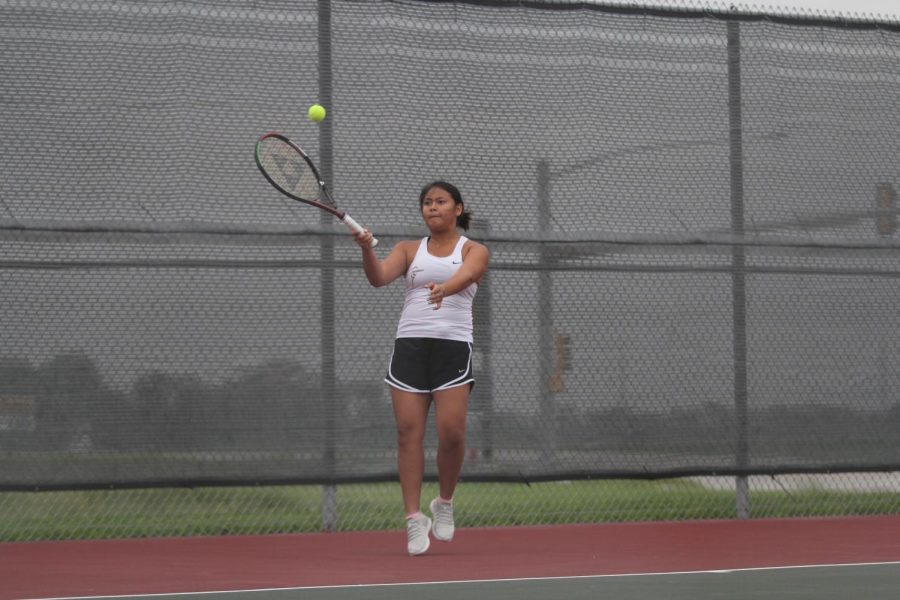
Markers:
(450, 417)
(410, 412)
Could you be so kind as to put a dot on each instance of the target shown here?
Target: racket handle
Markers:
(356, 228)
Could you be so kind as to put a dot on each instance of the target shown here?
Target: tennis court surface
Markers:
(820, 558)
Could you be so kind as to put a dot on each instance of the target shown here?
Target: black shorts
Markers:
(425, 365)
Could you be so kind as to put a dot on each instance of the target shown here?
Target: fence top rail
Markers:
(693, 9)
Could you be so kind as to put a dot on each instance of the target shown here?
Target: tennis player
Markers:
(432, 358)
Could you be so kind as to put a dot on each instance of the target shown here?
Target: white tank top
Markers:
(453, 320)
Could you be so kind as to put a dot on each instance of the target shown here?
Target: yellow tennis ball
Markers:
(316, 113)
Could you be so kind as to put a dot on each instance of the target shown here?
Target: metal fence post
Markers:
(738, 259)
(483, 397)
(329, 493)
(545, 318)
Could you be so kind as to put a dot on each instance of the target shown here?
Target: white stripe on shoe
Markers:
(443, 527)
(417, 541)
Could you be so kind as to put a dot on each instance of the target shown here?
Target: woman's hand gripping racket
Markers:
(293, 173)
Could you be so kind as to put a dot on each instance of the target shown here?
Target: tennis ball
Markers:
(316, 113)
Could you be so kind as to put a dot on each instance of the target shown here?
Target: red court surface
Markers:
(173, 565)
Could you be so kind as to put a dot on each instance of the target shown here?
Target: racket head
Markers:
(290, 170)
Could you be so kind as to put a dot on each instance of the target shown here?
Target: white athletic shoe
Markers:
(443, 520)
(417, 541)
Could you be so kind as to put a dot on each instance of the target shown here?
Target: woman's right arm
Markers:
(382, 272)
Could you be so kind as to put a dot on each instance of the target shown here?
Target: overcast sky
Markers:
(886, 9)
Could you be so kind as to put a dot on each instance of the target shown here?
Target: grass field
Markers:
(28, 516)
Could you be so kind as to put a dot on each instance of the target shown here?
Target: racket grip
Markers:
(356, 228)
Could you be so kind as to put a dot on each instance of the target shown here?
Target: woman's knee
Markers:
(451, 435)
(410, 434)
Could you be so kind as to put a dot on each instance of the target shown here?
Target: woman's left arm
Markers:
(473, 268)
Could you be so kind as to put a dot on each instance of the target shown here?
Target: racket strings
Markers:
(289, 170)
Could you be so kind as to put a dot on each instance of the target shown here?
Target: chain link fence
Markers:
(690, 311)
(66, 515)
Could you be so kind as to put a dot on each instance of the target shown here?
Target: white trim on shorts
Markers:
(394, 382)
(456, 382)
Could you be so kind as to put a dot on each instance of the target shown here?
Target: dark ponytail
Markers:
(463, 219)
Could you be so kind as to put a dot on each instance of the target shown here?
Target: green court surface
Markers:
(823, 582)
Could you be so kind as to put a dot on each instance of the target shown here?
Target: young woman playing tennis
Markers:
(432, 358)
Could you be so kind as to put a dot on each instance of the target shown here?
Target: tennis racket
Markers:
(293, 173)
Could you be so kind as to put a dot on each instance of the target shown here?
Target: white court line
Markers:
(461, 581)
